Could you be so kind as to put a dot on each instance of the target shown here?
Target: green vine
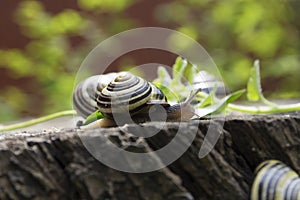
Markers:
(37, 120)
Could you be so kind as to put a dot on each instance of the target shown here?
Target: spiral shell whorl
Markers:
(84, 97)
(275, 180)
(86, 92)
(126, 93)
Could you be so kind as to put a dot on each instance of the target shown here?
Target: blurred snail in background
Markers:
(86, 92)
(128, 98)
(275, 180)
(207, 82)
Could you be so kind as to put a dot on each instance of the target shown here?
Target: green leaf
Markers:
(220, 105)
(189, 72)
(254, 91)
(183, 69)
(68, 21)
(178, 68)
(172, 87)
(93, 117)
(104, 5)
(163, 77)
(209, 99)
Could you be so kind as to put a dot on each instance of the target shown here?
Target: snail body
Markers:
(126, 99)
(275, 180)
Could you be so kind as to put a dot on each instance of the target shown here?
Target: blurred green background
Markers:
(44, 42)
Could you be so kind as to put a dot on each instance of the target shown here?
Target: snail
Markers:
(275, 180)
(206, 81)
(125, 98)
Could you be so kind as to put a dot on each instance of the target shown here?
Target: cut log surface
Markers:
(55, 164)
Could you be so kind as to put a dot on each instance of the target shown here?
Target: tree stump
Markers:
(56, 165)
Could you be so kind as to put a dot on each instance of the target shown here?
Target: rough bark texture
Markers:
(56, 165)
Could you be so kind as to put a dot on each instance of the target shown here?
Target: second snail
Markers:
(125, 98)
(275, 180)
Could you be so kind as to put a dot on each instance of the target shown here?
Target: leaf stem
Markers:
(265, 109)
(37, 120)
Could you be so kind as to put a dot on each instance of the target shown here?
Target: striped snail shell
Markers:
(116, 92)
(275, 180)
(128, 92)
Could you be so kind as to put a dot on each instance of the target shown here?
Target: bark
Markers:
(55, 164)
